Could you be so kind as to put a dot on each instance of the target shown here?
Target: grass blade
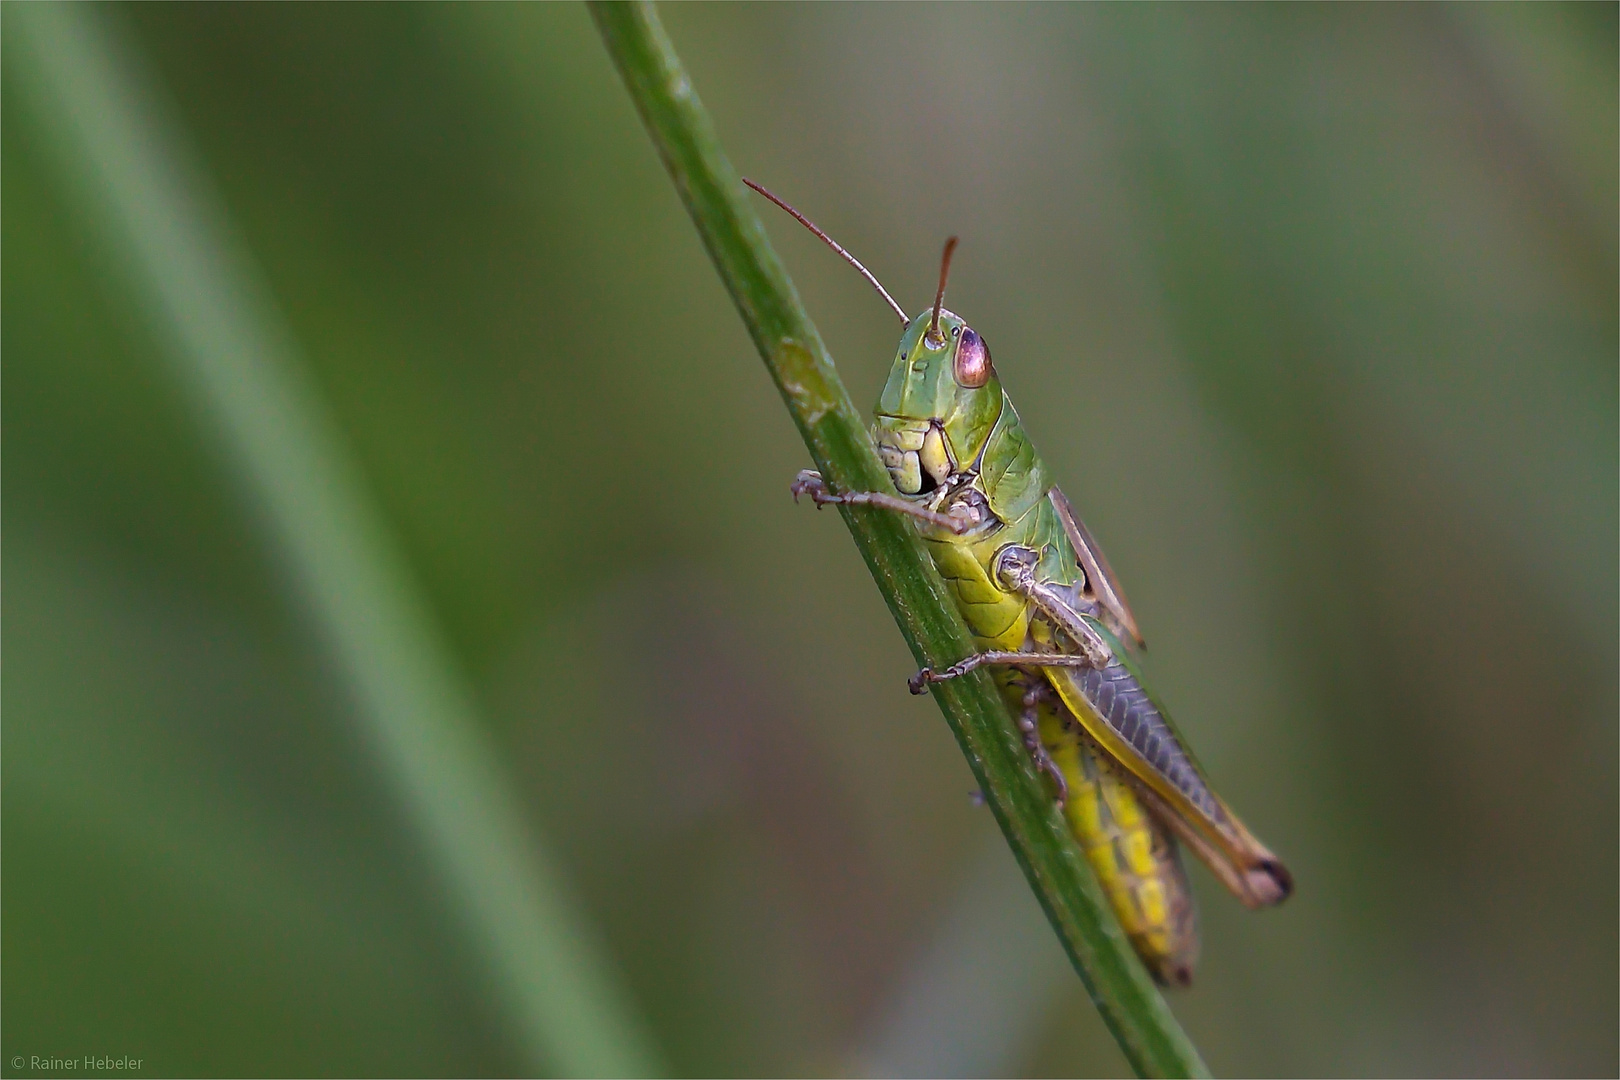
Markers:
(144, 205)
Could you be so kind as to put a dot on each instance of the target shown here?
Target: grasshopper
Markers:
(1051, 621)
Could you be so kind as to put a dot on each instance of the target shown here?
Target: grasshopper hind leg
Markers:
(1029, 725)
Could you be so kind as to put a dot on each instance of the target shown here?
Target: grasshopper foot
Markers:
(809, 482)
(920, 681)
(1045, 764)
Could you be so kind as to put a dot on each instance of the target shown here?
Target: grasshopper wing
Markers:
(1131, 728)
(1099, 575)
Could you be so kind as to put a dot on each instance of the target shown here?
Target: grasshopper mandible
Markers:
(1051, 620)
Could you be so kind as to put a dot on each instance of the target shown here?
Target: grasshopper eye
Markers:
(972, 360)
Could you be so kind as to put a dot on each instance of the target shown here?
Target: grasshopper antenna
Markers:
(852, 260)
(939, 297)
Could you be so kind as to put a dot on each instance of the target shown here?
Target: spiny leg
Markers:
(1014, 568)
(809, 482)
(920, 681)
(1029, 725)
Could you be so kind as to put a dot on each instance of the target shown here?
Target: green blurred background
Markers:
(1312, 310)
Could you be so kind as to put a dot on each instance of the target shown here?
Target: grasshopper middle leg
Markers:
(919, 682)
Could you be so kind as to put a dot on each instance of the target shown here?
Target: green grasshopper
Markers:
(1051, 620)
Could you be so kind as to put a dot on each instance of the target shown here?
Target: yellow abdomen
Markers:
(1134, 857)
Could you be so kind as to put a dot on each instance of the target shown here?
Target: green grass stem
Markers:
(836, 436)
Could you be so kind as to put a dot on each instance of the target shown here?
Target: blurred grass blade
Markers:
(836, 434)
(150, 215)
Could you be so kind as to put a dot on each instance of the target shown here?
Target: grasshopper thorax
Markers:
(939, 405)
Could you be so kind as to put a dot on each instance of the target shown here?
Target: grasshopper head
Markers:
(942, 398)
(940, 402)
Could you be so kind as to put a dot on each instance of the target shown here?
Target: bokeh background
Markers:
(1312, 309)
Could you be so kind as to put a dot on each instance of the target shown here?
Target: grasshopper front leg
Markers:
(809, 482)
